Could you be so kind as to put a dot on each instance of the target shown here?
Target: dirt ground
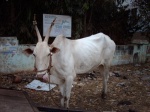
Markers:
(128, 90)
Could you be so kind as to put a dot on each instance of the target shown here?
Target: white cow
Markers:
(72, 57)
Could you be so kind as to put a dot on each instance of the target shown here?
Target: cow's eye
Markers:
(48, 54)
(34, 55)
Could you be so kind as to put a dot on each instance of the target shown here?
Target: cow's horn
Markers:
(37, 30)
(38, 34)
(49, 30)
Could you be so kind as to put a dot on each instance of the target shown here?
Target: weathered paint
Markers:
(123, 54)
(16, 62)
(133, 53)
(13, 62)
(148, 53)
(8, 44)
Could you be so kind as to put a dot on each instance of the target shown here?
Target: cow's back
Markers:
(84, 54)
(92, 51)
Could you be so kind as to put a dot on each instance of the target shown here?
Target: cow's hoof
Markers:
(103, 95)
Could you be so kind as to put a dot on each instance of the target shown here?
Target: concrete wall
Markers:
(130, 54)
(148, 53)
(17, 61)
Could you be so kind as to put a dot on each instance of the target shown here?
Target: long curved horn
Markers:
(36, 29)
(49, 30)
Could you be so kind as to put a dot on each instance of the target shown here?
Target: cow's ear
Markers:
(28, 51)
(54, 50)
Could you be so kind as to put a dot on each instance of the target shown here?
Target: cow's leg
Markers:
(62, 90)
(69, 82)
(61, 85)
(105, 73)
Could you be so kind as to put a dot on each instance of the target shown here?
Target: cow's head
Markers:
(42, 53)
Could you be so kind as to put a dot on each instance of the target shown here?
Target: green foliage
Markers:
(140, 18)
(88, 17)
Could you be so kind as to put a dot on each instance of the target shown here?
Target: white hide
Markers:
(82, 55)
(74, 57)
(79, 56)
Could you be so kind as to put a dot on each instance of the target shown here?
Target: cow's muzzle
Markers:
(42, 74)
(43, 77)
(39, 76)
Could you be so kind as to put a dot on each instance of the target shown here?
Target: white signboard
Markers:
(62, 25)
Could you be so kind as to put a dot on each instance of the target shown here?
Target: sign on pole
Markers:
(62, 25)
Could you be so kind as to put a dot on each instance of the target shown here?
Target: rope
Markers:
(50, 64)
(49, 68)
